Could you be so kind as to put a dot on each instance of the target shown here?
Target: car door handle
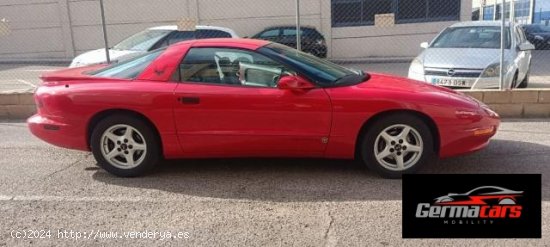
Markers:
(190, 100)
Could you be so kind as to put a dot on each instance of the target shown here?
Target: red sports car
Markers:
(252, 98)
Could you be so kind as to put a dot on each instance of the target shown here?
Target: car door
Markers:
(229, 105)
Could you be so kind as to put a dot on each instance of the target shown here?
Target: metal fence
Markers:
(427, 40)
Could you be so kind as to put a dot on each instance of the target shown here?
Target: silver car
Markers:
(467, 55)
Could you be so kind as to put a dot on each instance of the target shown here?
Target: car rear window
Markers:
(128, 69)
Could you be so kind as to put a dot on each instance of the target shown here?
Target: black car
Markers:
(538, 35)
(313, 41)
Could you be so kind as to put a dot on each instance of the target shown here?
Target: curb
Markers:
(520, 103)
(17, 105)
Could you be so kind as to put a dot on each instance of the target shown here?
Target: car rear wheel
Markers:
(397, 144)
(125, 146)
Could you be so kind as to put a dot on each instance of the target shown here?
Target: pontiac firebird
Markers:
(251, 98)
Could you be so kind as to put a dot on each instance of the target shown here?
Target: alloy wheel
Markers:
(123, 146)
(398, 147)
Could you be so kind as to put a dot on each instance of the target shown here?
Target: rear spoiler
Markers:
(72, 74)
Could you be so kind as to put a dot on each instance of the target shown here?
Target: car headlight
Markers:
(416, 67)
(492, 70)
(538, 37)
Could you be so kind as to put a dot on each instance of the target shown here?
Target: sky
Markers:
(544, 4)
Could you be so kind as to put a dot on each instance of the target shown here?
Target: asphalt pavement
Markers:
(234, 202)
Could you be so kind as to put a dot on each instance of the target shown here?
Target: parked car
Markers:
(467, 55)
(313, 41)
(538, 34)
(148, 40)
(253, 98)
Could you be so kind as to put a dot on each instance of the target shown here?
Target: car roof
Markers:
(198, 27)
(480, 24)
(226, 42)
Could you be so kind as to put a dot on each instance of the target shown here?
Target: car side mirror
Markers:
(294, 83)
(526, 46)
(424, 45)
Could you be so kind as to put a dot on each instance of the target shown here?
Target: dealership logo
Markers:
(471, 206)
(484, 202)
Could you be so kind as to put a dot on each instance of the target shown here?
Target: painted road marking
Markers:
(27, 83)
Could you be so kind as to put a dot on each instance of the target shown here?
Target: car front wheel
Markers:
(397, 144)
(125, 146)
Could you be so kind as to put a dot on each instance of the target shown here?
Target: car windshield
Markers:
(322, 71)
(538, 29)
(128, 69)
(141, 41)
(471, 37)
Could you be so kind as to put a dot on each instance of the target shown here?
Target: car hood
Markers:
(399, 86)
(460, 57)
(98, 56)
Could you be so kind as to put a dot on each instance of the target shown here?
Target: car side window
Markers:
(174, 37)
(291, 32)
(270, 33)
(226, 66)
(181, 36)
(210, 33)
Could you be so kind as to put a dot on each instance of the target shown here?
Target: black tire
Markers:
(149, 138)
(514, 81)
(367, 144)
(525, 82)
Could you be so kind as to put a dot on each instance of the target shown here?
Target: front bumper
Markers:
(58, 133)
(472, 135)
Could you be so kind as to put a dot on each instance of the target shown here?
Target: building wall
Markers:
(400, 40)
(64, 28)
(36, 29)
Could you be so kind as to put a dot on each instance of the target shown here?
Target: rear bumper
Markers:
(58, 133)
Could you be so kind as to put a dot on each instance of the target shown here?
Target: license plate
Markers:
(450, 82)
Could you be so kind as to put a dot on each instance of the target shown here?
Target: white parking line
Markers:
(26, 82)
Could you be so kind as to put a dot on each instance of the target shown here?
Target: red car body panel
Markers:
(236, 121)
